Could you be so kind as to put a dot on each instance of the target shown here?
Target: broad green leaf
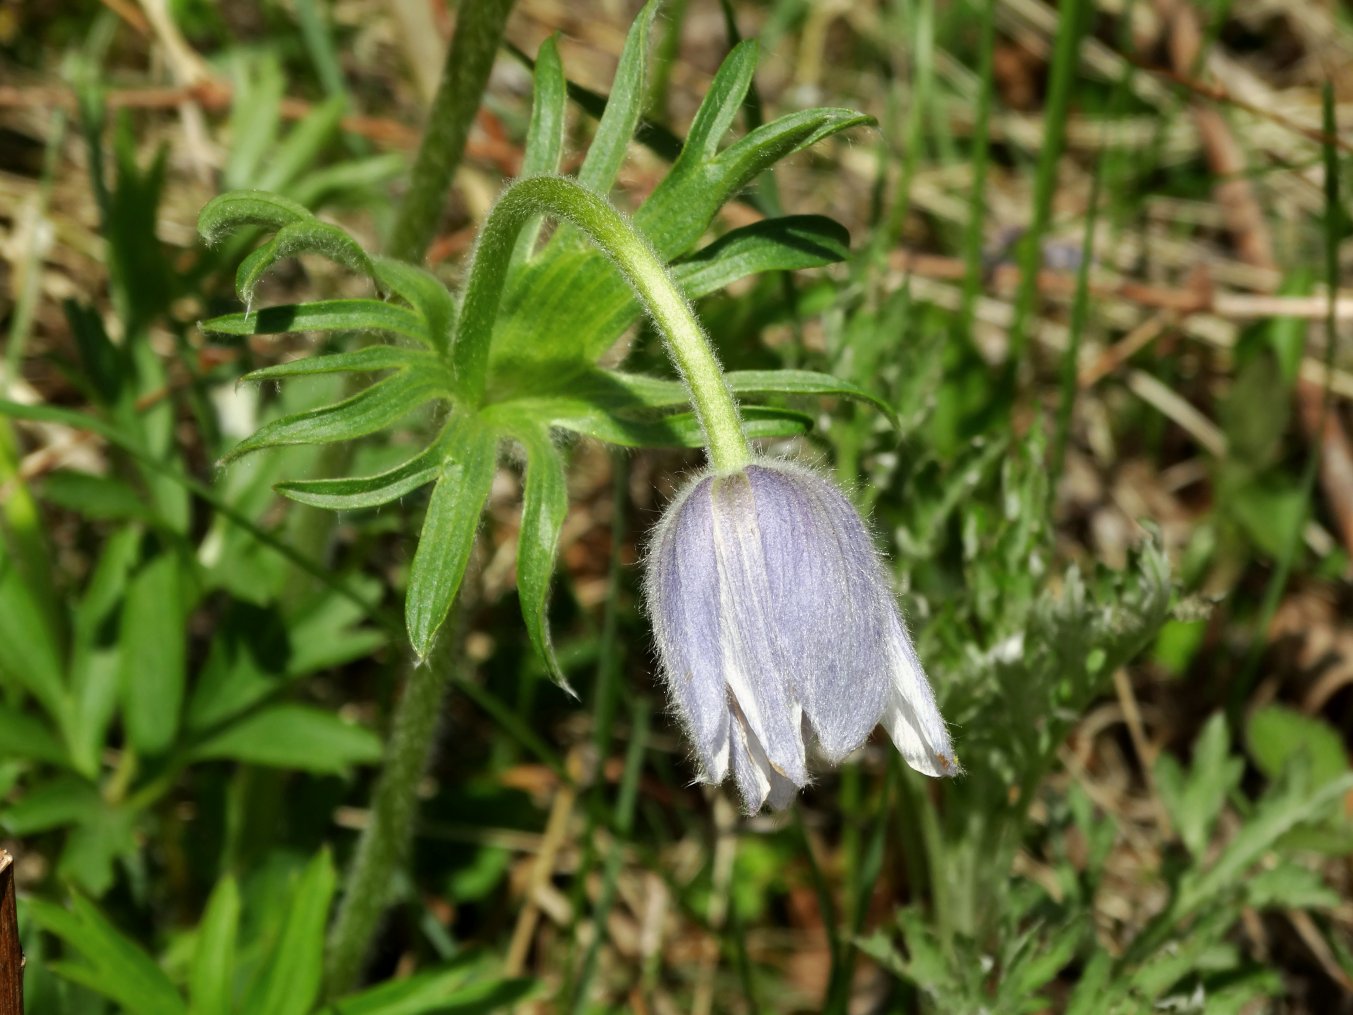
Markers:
(290, 984)
(607, 150)
(325, 315)
(229, 212)
(211, 978)
(448, 534)
(374, 408)
(677, 213)
(358, 493)
(1276, 736)
(544, 505)
(27, 737)
(29, 657)
(154, 663)
(467, 987)
(293, 736)
(112, 965)
(96, 496)
(64, 800)
(783, 244)
(305, 237)
(370, 359)
(722, 102)
(426, 294)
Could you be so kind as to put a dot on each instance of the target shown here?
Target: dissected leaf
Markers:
(544, 505)
(323, 315)
(303, 237)
(448, 533)
(358, 493)
(226, 213)
(781, 244)
(371, 359)
(426, 294)
(374, 408)
(623, 108)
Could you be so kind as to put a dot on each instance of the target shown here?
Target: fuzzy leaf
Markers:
(324, 315)
(357, 493)
(383, 403)
(238, 209)
(677, 213)
(423, 291)
(783, 244)
(607, 151)
(372, 359)
(544, 505)
(448, 533)
(309, 236)
(681, 430)
(722, 102)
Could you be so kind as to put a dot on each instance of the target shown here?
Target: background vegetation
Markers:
(1095, 250)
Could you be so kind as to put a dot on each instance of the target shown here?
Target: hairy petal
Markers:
(832, 603)
(682, 593)
(912, 718)
(754, 667)
(758, 781)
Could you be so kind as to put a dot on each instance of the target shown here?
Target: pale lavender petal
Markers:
(758, 781)
(832, 603)
(682, 592)
(912, 718)
(754, 667)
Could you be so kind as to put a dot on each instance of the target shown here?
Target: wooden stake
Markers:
(11, 954)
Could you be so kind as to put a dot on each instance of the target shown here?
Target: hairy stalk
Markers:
(479, 32)
(384, 844)
(383, 847)
(686, 342)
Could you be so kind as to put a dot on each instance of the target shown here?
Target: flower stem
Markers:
(479, 32)
(687, 344)
(383, 847)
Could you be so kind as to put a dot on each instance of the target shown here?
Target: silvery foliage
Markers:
(777, 628)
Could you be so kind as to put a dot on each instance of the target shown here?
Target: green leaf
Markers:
(302, 146)
(290, 984)
(113, 965)
(782, 244)
(212, 976)
(681, 430)
(607, 151)
(722, 102)
(803, 382)
(370, 359)
(382, 404)
(677, 213)
(324, 315)
(29, 657)
(1196, 799)
(154, 664)
(1277, 736)
(545, 133)
(228, 213)
(294, 736)
(448, 534)
(358, 493)
(544, 505)
(64, 800)
(305, 237)
(27, 737)
(464, 988)
(423, 291)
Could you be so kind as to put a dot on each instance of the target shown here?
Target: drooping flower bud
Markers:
(775, 625)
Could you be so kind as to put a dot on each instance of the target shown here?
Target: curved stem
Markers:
(687, 344)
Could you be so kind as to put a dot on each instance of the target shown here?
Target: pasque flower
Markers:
(776, 628)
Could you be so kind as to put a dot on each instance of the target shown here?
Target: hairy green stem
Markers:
(687, 344)
(383, 847)
(479, 32)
